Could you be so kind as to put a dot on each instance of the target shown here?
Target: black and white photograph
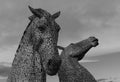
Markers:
(59, 40)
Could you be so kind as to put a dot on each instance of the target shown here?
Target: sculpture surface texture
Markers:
(37, 53)
(70, 69)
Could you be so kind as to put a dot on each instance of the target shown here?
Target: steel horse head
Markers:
(44, 31)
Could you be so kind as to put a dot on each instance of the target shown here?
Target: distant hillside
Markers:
(108, 65)
(4, 68)
(109, 80)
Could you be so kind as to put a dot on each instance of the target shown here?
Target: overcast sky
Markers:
(79, 19)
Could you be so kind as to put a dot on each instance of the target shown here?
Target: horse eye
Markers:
(41, 28)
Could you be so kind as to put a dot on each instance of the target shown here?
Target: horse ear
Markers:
(34, 11)
(56, 15)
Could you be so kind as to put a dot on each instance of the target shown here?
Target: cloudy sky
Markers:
(79, 19)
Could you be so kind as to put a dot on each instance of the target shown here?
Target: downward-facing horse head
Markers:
(37, 53)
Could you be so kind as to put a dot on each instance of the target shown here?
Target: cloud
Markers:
(100, 8)
(110, 79)
(79, 19)
(107, 66)
(4, 71)
(13, 21)
(88, 61)
(7, 53)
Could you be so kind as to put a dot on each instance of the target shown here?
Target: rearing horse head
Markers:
(44, 36)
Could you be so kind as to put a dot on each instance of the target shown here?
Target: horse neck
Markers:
(25, 40)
